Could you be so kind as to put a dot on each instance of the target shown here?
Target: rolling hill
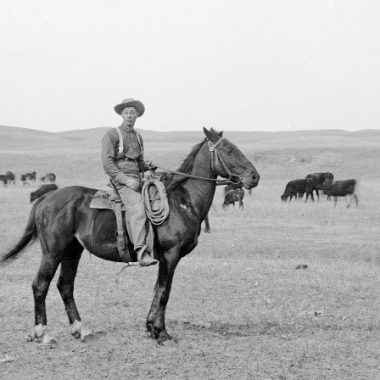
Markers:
(287, 155)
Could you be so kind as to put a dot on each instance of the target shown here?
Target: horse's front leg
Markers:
(156, 318)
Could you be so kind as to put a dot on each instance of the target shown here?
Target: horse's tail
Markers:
(29, 235)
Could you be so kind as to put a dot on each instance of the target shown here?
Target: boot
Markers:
(144, 258)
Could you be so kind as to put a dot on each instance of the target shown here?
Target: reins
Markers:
(215, 156)
(158, 216)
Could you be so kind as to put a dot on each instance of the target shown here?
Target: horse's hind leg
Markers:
(65, 285)
(40, 287)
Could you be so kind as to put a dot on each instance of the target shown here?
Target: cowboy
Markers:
(123, 161)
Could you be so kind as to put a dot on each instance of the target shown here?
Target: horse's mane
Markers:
(172, 181)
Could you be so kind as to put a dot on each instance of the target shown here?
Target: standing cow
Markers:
(321, 180)
(48, 177)
(233, 196)
(342, 189)
(11, 178)
(298, 187)
(4, 179)
(28, 178)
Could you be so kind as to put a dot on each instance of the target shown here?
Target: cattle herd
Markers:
(320, 182)
(47, 181)
(233, 193)
(9, 178)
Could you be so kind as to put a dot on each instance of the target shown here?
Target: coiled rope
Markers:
(158, 216)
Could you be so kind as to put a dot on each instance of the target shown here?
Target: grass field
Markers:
(239, 308)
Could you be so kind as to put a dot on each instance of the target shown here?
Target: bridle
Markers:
(215, 158)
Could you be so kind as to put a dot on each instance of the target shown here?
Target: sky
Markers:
(237, 65)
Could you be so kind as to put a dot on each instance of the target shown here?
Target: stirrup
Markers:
(144, 259)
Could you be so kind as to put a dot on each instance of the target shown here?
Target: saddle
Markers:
(110, 200)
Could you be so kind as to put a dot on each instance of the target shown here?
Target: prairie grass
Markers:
(239, 307)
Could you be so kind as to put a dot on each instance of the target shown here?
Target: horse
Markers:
(66, 225)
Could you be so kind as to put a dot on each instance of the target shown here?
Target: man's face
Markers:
(129, 115)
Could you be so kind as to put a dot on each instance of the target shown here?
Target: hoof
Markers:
(40, 335)
(149, 327)
(164, 337)
(79, 331)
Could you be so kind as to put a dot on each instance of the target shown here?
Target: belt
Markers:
(126, 159)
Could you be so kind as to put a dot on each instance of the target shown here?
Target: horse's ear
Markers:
(207, 133)
(211, 135)
(220, 134)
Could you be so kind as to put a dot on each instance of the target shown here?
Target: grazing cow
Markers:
(11, 178)
(42, 190)
(342, 189)
(27, 178)
(233, 196)
(48, 177)
(321, 180)
(4, 179)
(298, 187)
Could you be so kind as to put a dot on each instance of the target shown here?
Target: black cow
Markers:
(342, 189)
(298, 187)
(43, 189)
(27, 178)
(4, 179)
(321, 180)
(48, 177)
(10, 177)
(233, 196)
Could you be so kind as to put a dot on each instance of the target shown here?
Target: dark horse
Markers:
(66, 225)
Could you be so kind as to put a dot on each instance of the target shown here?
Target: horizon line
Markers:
(195, 130)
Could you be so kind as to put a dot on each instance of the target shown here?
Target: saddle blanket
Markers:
(103, 199)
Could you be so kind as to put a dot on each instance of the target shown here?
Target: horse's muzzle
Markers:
(255, 179)
(251, 181)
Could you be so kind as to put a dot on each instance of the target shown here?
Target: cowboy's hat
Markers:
(130, 103)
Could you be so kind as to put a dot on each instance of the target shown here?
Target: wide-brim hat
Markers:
(130, 103)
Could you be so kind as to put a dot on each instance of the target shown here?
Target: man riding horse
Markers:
(123, 161)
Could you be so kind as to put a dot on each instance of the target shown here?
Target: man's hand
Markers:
(149, 165)
(121, 178)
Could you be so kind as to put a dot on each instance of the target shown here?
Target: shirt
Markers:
(133, 162)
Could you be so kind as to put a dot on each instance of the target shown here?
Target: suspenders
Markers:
(121, 141)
